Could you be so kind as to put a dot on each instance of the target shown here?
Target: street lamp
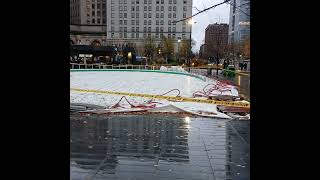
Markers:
(190, 22)
(130, 56)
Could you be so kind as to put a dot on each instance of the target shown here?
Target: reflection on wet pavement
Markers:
(158, 147)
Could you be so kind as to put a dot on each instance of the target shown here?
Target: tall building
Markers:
(88, 22)
(132, 21)
(239, 20)
(216, 38)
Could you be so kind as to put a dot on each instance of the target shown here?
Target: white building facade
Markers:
(132, 21)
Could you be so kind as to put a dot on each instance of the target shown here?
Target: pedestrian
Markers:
(241, 66)
(245, 66)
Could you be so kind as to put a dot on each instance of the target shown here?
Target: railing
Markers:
(114, 66)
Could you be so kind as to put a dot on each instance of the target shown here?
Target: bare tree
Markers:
(149, 48)
(167, 47)
(185, 48)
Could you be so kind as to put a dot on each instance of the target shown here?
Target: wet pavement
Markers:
(138, 147)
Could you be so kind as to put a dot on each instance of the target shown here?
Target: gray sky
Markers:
(219, 14)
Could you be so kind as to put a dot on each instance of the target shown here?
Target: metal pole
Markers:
(190, 48)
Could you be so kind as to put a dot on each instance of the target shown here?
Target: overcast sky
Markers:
(219, 14)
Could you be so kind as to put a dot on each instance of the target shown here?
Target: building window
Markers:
(145, 15)
(93, 6)
(173, 29)
(112, 1)
(149, 23)
(150, 15)
(125, 29)
(137, 2)
(157, 15)
(137, 15)
(157, 2)
(184, 15)
(169, 29)
(169, 15)
(137, 29)
(161, 16)
(120, 22)
(183, 29)
(133, 22)
(125, 35)
(93, 13)
(174, 8)
(145, 1)
(137, 22)
(120, 35)
(170, 8)
(125, 22)
(124, 1)
(132, 15)
(157, 8)
(137, 35)
(161, 22)
(93, 21)
(169, 36)
(149, 29)
(124, 8)
(132, 8)
(133, 1)
(144, 29)
(120, 15)
(137, 8)
(150, 1)
(112, 35)
(144, 35)
(112, 8)
(112, 28)
(145, 22)
(174, 1)
(169, 22)
(132, 35)
(145, 8)
(103, 21)
(162, 8)
(112, 21)
(170, 1)
(162, 1)
(125, 15)
(98, 21)
(183, 36)
(121, 29)
(184, 1)
(157, 29)
(184, 8)
(157, 22)
(150, 8)
(174, 15)
(173, 36)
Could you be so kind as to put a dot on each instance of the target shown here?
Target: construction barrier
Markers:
(170, 98)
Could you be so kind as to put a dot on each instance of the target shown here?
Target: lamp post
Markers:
(179, 40)
(190, 22)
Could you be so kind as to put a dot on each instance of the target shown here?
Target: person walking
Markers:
(245, 66)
